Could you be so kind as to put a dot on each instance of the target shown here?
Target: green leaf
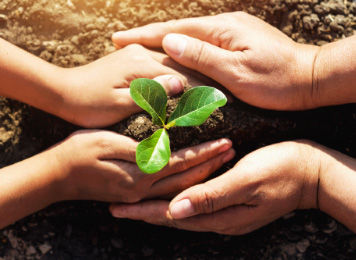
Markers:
(150, 96)
(153, 153)
(196, 105)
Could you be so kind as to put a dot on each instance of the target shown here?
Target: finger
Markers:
(193, 77)
(150, 64)
(236, 220)
(167, 61)
(189, 157)
(221, 192)
(171, 83)
(201, 56)
(113, 146)
(146, 211)
(182, 181)
(126, 105)
(172, 80)
(152, 35)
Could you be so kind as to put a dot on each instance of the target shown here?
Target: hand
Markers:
(98, 94)
(100, 165)
(262, 187)
(255, 61)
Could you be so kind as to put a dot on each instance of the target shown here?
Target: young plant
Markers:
(193, 109)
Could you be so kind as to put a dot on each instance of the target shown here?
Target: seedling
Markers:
(193, 109)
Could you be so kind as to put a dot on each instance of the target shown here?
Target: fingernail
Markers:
(226, 145)
(175, 85)
(172, 84)
(116, 213)
(182, 209)
(175, 44)
(228, 157)
(116, 36)
(224, 148)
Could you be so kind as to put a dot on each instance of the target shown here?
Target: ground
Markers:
(74, 32)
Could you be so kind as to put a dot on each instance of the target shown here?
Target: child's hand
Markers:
(100, 165)
(94, 95)
(98, 94)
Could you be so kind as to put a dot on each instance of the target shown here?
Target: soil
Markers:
(74, 32)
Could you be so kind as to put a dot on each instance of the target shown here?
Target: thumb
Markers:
(171, 83)
(198, 55)
(206, 198)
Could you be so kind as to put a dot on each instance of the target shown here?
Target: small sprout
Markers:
(193, 109)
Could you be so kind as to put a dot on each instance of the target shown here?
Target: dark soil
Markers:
(74, 32)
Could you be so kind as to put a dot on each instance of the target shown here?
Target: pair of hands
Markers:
(263, 67)
(93, 164)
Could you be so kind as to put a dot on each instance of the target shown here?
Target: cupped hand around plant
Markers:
(97, 94)
(262, 187)
(255, 61)
(100, 165)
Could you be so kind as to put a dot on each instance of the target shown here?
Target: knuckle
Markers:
(184, 183)
(200, 57)
(130, 195)
(226, 231)
(238, 14)
(139, 58)
(129, 198)
(206, 203)
(134, 198)
(77, 138)
(170, 223)
(134, 47)
(181, 165)
(241, 230)
(231, 231)
(78, 134)
(171, 25)
(103, 144)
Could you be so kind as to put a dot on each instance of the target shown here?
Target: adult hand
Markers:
(98, 94)
(262, 187)
(255, 61)
(101, 165)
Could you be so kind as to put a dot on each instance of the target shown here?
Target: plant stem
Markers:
(169, 125)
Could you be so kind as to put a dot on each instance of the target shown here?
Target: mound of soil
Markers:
(74, 32)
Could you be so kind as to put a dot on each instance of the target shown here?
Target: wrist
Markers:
(334, 74)
(304, 74)
(71, 107)
(59, 180)
(60, 83)
(337, 187)
(46, 93)
(309, 166)
(29, 79)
